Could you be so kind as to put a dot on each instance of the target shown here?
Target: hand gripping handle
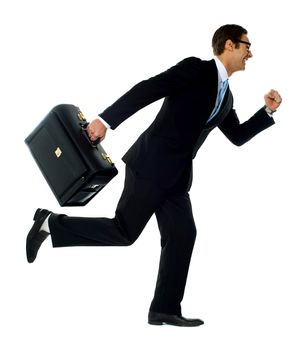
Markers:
(84, 124)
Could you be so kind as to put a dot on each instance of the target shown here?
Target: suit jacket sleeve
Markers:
(151, 90)
(239, 133)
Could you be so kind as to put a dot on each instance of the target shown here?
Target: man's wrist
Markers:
(269, 111)
(104, 122)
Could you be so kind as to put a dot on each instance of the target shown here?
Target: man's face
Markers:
(241, 54)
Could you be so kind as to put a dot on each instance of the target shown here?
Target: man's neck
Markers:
(224, 62)
(223, 73)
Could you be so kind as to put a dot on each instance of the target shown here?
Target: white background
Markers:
(246, 276)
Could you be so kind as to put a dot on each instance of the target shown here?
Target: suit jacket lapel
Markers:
(223, 112)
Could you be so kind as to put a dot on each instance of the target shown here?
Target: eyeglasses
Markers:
(245, 42)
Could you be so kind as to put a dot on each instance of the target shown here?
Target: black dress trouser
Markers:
(140, 199)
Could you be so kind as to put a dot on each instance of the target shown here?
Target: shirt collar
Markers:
(222, 72)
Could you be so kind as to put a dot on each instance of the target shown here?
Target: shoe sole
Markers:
(156, 323)
(31, 258)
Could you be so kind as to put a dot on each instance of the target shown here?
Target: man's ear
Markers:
(229, 45)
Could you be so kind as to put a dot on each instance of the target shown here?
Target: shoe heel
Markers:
(155, 323)
(36, 214)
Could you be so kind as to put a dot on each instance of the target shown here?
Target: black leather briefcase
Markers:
(75, 168)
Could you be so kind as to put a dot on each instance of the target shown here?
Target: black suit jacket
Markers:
(164, 152)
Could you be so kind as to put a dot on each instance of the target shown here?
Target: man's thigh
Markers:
(139, 201)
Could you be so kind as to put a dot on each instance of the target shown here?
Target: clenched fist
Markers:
(96, 130)
(273, 100)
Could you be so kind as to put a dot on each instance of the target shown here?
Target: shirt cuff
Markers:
(269, 111)
(105, 123)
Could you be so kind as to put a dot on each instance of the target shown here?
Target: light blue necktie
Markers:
(220, 98)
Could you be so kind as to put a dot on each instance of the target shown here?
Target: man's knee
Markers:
(187, 230)
(180, 236)
(130, 241)
(189, 234)
(131, 237)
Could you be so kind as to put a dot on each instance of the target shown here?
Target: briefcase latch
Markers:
(107, 158)
(80, 115)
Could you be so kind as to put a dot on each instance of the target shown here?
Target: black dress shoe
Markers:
(156, 318)
(35, 237)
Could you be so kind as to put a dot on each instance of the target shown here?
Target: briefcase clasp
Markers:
(80, 115)
(107, 158)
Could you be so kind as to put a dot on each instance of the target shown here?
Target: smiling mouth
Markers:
(244, 63)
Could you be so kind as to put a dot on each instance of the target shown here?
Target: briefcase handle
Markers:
(84, 124)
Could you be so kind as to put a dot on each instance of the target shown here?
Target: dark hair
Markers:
(224, 33)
